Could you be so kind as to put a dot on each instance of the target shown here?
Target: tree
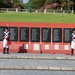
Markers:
(17, 3)
(74, 5)
(37, 4)
(26, 5)
(3, 4)
(11, 4)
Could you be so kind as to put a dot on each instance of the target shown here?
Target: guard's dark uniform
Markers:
(6, 41)
(72, 42)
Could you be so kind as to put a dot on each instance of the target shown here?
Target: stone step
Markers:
(37, 68)
(36, 64)
(37, 57)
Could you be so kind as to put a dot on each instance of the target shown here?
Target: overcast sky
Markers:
(25, 1)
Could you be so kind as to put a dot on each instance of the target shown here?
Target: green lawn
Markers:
(37, 17)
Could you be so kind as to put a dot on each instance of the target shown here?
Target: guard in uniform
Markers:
(6, 41)
(73, 42)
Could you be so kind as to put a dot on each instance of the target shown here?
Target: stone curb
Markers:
(35, 57)
(37, 68)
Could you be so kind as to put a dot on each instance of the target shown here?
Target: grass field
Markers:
(39, 17)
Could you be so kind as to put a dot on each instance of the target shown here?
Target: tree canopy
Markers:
(39, 4)
(52, 4)
(11, 4)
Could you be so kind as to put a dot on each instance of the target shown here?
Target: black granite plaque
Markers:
(13, 33)
(24, 34)
(35, 35)
(46, 34)
(1, 32)
(57, 35)
(67, 34)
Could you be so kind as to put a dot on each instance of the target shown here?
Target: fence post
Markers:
(16, 9)
(7, 10)
(26, 11)
(44, 10)
(54, 11)
(36, 11)
(72, 11)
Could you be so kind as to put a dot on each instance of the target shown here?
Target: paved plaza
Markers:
(36, 60)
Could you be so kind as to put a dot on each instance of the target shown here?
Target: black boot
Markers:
(72, 51)
(4, 50)
(7, 50)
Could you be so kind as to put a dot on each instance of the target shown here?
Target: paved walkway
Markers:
(36, 64)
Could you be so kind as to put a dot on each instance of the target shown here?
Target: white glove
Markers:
(6, 37)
